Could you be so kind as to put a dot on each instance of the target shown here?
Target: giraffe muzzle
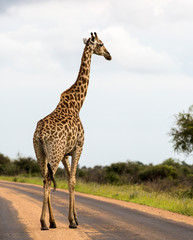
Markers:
(107, 55)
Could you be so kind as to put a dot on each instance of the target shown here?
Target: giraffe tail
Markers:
(51, 176)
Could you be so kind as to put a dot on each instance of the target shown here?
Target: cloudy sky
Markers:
(131, 100)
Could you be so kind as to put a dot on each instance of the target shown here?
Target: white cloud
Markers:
(148, 13)
(134, 56)
(179, 10)
(58, 32)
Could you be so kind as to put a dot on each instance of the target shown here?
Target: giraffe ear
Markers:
(85, 40)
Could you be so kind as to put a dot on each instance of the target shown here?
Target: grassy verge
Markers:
(131, 193)
(136, 194)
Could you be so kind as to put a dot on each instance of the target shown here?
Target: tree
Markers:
(182, 133)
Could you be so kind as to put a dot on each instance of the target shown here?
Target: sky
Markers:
(131, 102)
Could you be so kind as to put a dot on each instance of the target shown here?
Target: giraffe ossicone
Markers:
(61, 134)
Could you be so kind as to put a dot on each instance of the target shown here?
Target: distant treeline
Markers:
(117, 173)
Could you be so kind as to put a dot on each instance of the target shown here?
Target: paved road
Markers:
(20, 208)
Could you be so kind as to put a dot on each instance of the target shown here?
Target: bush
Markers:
(159, 172)
(27, 165)
(5, 165)
(112, 178)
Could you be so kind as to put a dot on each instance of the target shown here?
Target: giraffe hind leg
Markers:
(45, 201)
(41, 158)
(48, 176)
(51, 216)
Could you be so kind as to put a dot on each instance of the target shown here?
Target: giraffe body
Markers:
(61, 134)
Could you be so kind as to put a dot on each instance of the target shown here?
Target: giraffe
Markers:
(60, 135)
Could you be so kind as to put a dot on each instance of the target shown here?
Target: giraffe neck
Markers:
(76, 94)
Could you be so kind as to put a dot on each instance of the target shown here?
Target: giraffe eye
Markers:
(101, 44)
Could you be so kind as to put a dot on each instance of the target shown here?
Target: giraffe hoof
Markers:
(43, 225)
(44, 228)
(52, 225)
(72, 225)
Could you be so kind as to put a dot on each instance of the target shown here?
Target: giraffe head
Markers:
(98, 46)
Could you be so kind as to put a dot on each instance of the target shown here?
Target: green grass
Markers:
(23, 179)
(131, 193)
(136, 194)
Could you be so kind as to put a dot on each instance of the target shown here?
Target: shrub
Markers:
(158, 172)
(27, 165)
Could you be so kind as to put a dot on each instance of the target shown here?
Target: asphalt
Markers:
(108, 221)
(10, 227)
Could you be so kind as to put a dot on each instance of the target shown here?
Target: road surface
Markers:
(99, 218)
